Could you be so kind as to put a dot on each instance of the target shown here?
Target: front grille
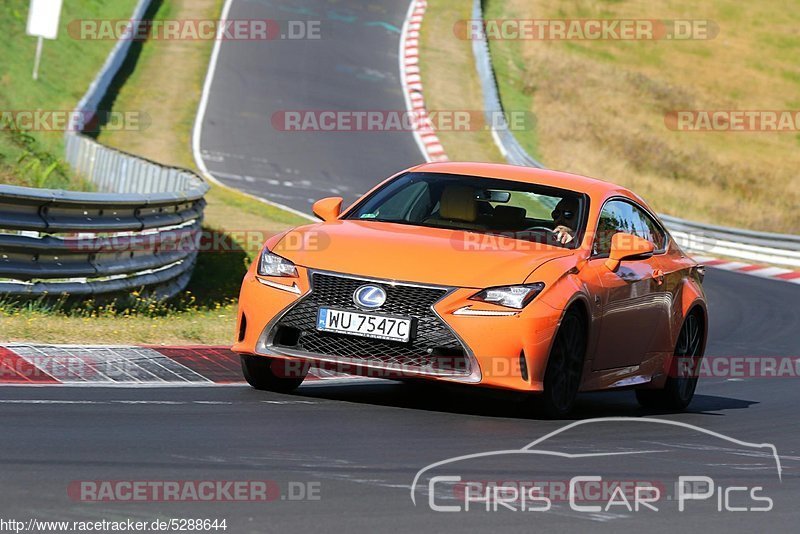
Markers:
(435, 349)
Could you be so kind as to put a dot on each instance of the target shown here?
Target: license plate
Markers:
(364, 324)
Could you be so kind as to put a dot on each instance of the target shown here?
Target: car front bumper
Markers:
(502, 351)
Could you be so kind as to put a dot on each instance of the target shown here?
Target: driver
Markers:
(565, 218)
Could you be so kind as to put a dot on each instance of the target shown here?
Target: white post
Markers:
(43, 17)
(38, 58)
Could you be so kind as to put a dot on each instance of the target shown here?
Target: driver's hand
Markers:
(563, 234)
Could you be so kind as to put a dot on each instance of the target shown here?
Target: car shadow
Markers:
(466, 400)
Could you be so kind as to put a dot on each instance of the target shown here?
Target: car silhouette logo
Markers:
(369, 296)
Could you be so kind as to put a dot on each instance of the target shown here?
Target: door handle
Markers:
(658, 276)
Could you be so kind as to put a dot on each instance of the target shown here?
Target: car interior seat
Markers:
(458, 208)
(509, 218)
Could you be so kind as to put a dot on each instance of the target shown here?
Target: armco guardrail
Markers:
(101, 83)
(493, 108)
(783, 249)
(113, 171)
(141, 229)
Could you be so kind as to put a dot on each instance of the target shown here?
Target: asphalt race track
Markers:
(363, 443)
(352, 67)
(360, 444)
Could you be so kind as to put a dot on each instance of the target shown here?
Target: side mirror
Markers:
(628, 247)
(328, 209)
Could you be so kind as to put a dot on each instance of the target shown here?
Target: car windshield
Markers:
(486, 205)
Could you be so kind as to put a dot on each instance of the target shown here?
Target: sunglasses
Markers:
(566, 214)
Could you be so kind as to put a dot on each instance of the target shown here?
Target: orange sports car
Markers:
(493, 275)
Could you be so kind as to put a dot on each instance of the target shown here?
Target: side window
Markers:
(612, 221)
(654, 234)
(619, 216)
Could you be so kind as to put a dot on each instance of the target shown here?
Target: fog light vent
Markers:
(242, 327)
(523, 365)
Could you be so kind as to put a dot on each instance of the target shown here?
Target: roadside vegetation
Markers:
(450, 82)
(25, 162)
(600, 105)
(35, 158)
(206, 312)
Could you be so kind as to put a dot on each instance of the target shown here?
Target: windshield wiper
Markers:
(378, 219)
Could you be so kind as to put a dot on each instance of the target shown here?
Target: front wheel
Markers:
(562, 378)
(271, 374)
(679, 390)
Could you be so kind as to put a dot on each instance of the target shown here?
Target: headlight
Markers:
(516, 297)
(273, 265)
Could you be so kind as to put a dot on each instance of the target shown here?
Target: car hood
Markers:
(414, 254)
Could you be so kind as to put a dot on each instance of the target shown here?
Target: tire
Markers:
(562, 377)
(678, 390)
(271, 374)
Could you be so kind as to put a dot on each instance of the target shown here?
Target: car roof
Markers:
(564, 180)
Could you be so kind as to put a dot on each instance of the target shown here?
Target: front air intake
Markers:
(242, 327)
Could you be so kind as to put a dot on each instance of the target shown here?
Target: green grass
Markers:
(170, 110)
(141, 322)
(206, 312)
(244, 204)
(601, 105)
(515, 87)
(67, 68)
(24, 162)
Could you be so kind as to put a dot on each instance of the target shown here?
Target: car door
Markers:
(631, 298)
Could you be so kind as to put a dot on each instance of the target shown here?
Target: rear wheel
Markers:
(270, 374)
(562, 378)
(678, 390)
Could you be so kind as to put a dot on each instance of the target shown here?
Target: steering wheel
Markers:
(546, 229)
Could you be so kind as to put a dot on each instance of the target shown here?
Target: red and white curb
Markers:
(411, 80)
(762, 271)
(108, 365)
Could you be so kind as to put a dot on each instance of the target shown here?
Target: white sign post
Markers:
(43, 18)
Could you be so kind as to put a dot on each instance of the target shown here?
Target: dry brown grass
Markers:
(600, 105)
(449, 80)
(166, 86)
